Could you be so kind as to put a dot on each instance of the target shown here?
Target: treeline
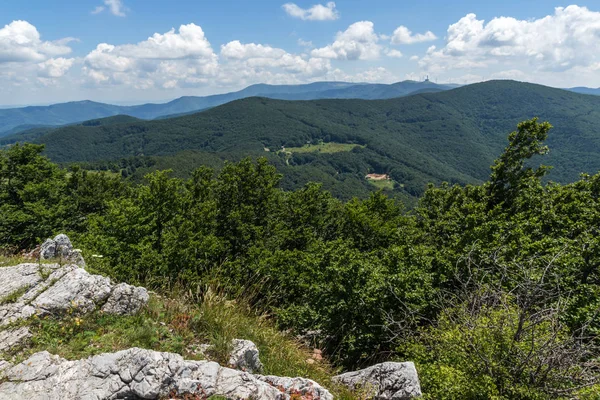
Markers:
(492, 289)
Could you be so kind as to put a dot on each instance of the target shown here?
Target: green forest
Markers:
(450, 136)
(492, 287)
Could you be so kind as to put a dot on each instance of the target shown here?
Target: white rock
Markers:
(61, 247)
(126, 300)
(244, 356)
(11, 338)
(133, 373)
(77, 289)
(4, 365)
(298, 386)
(50, 288)
(389, 380)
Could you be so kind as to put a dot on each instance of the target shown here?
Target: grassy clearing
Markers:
(325, 148)
(382, 184)
(179, 327)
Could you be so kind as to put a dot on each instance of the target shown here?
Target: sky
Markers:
(138, 51)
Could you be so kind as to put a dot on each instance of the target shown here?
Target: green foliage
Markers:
(496, 351)
(449, 136)
(364, 279)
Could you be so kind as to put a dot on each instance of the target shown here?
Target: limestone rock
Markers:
(11, 338)
(49, 288)
(298, 386)
(77, 289)
(16, 279)
(244, 356)
(136, 373)
(126, 300)
(61, 247)
(4, 365)
(389, 380)
(48, 249)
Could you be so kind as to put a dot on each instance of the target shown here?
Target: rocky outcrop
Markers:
(144, 374)
(389, 380)
(297, 388)
(126, 300)
(4, 365)
(13, 337)
(29, 289)
(60, 248)
(244, 356)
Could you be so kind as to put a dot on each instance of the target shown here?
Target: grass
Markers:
(382, 184)
(325, 148)
(179, 327)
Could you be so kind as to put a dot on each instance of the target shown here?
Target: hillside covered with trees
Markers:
(492, 288)
(448, 136)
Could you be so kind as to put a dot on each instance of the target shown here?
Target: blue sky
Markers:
(100, 49)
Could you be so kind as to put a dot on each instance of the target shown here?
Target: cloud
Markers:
(20, 42)
(55, 67)
(305, 43)
(252, 63)
(183, 56)
(358, 42)
(393, 53)
(317, 12)
(115, 7)
(563, 42)
(237, 50)
(402, 35)
(377, 74)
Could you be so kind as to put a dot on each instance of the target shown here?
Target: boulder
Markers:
(126, 300)
(244, 356)
(389, 380)
(51, 288)
(61, 247)
(76, 289)
(12, 338)
(48, 249)
(18, 278)
(138, 373)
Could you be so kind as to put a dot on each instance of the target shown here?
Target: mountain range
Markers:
(453, 136)
(15, 120)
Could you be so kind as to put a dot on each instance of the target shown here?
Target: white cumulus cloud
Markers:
(562, 43)
(183, 56)
(318, 12)
(358, 42)
(55, 67)
(252, 63)
(20, 42)
(393, 53)
(402, 35)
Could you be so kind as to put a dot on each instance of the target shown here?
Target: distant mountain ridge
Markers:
(452, 135)
(14, 120)
(586, 90)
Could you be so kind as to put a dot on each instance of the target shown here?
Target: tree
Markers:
(508, 172)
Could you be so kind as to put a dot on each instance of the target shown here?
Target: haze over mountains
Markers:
(453, 135)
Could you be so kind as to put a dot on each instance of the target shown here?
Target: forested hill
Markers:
(20, 119)
(448, 136)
